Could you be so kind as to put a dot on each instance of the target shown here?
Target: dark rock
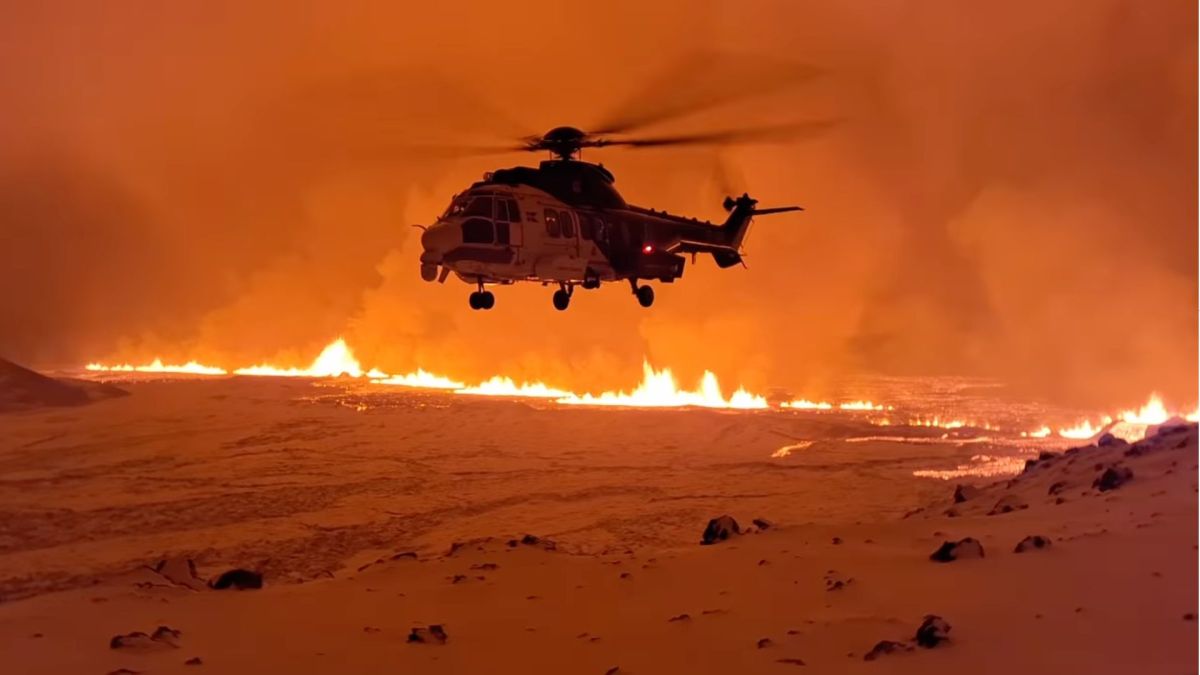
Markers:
(1189, 617)
(194, 661)
(836, 582)
(615, 670)
(166, 633)
(680, 617)
(123, 671)
(485, 566)
(964, 492)
(836, 541)
(763, 643)
(720, 529)
(163, 637)
(791, 662)
(433, 634)
(886, 647)
(1057, 487)
(949, 551)
(1008, 504)
(1032, 543)
(1113, 478)
(238, 579)
(533, 540)
(933, 631)
(763, 523)
(1108, 439)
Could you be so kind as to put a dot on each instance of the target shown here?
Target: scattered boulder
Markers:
(719, 529)
(238, 579)
(533, 540)
(884, 647)
(1033, 542)
(432, 634)
(1008, 504)
(950, 551)
(763, 643)
(964, 492)
(194, 661)
(163, 637)
(680, 617)
(762, 523)
(1107, 440)
(791, 661)
(836, 582)
(836, 541)
(1113, 477)
(933, 631)
(1057, 487)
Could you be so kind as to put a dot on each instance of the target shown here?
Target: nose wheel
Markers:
(482, 300)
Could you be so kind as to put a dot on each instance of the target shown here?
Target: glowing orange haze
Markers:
(657, 389)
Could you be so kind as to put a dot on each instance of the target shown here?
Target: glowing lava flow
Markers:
(659, 390)
(421, 379)
(157, 366)
(334, 361)
(504, 386)
(805, 404)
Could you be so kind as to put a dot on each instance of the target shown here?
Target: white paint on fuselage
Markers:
(551, 251)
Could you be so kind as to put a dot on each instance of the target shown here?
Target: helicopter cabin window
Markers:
(502, 233)
(587, 226)
(514, 212)
(479, 231)
(479, 206)
(567, 223)
(552, 227)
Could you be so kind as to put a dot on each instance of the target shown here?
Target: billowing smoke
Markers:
(1011, 190)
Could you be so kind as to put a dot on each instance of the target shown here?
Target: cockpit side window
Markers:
(479, 206)
(514, 211)
(552, 227)
(587, 226)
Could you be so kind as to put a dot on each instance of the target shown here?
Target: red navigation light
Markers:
(648, 249)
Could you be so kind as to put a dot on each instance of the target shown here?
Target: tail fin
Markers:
(741, 212)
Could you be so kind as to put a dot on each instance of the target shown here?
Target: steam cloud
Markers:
(1012, 191)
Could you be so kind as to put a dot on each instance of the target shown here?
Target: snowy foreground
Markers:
(369, 517)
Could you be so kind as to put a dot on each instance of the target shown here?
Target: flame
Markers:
(1081, 431)
(804, 404)
(504, 386)
(1154, 412)
(659, 390)
(157, 366)
(863, 405)
(938, 422)
(1041, 432)
(420, 379)
(334, 361)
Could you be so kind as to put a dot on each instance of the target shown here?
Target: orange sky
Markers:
(1013, 191)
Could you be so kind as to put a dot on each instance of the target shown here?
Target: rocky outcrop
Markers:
(957, 550)
(719, 529)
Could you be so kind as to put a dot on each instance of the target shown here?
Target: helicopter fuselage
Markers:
(564, 224)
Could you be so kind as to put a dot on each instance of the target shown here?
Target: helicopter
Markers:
(564, 224)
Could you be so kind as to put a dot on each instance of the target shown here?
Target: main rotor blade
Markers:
(795, 131)
(701, 81)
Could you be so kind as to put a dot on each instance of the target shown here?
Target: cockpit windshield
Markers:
(470, 205)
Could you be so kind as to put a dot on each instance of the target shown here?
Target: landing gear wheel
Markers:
(487, 300)
(475, 301)
(561, 299)
(645, 296)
